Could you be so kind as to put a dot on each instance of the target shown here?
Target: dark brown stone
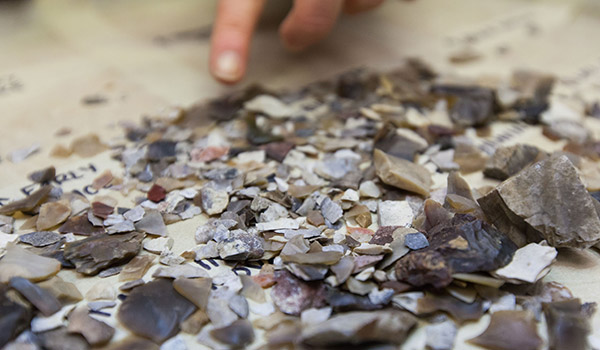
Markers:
(94, 254)
(238, 334)
(470, 105)
(460, 311)
(155, 310)
(465, 245)
(80, 225)
(278, 150)
(508, 330)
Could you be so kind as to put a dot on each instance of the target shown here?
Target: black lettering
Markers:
(27, 190)
(90, 190)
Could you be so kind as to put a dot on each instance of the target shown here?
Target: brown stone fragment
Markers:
(509, 330)
(465, 245)
(196, 290)
(152, 223)
(62, 339)
(292, 295)
(94, 331)
(545, 201)
(507, 161)
(43, 175)
(459, 310)
(157, 193)
(87, 146)
(94, 254)
(402, 173)
(18, 262)
(469, 158)
(65, 292)
(80, 225)
(278, 150)
(194, 323)
(60, 151)
(102, 210)
(359, 328)
(315, 218)
(38, 297)
(136, 268)
(568, 325)
(102, 180)
(52, 214)
(155, 310)
(28, 203)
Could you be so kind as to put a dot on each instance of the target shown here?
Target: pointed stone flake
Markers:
(152, 223)
(402, 173)
(155, 310)
(196, 290)
(28, 203)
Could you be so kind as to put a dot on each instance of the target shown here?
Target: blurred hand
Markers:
(308, 22)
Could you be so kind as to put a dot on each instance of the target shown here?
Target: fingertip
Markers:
(228, 67)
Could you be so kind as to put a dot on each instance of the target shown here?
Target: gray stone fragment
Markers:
(40, 238)
(152, 223)
(331, 211)
(39, 297)
(416, 241)
(241, 245)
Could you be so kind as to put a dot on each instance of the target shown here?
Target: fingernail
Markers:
(228, 66)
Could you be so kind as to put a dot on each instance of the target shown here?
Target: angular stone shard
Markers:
(155, 310)
(459, 310)
(545, 201)
(28, 203)
(464, 245)
(65, 292)
(38, 297)
(94, 254)
(18, 262)
(152, 223)
(95, 332)
(402, 173)
(196, 290)
(238, 334)
(52, 214)
(241, 245)
(292, 295)
(15, 316)
(529, 264)
(40, 238)
(471, 105)
(509, 330)
(399, 142)
(360, 328)
(507, 161)
(214, 201)
(43, 175)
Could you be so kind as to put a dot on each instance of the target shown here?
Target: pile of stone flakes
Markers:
(335, 216)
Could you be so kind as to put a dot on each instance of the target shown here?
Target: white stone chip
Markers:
(394, 213)
(529, 264)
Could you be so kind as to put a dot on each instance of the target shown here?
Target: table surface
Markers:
(145, 55)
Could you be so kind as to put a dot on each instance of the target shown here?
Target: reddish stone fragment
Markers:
(80, 225)
(156, 193)
(102, 210)
(278, 150)
(209, 153)
(292, 295)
